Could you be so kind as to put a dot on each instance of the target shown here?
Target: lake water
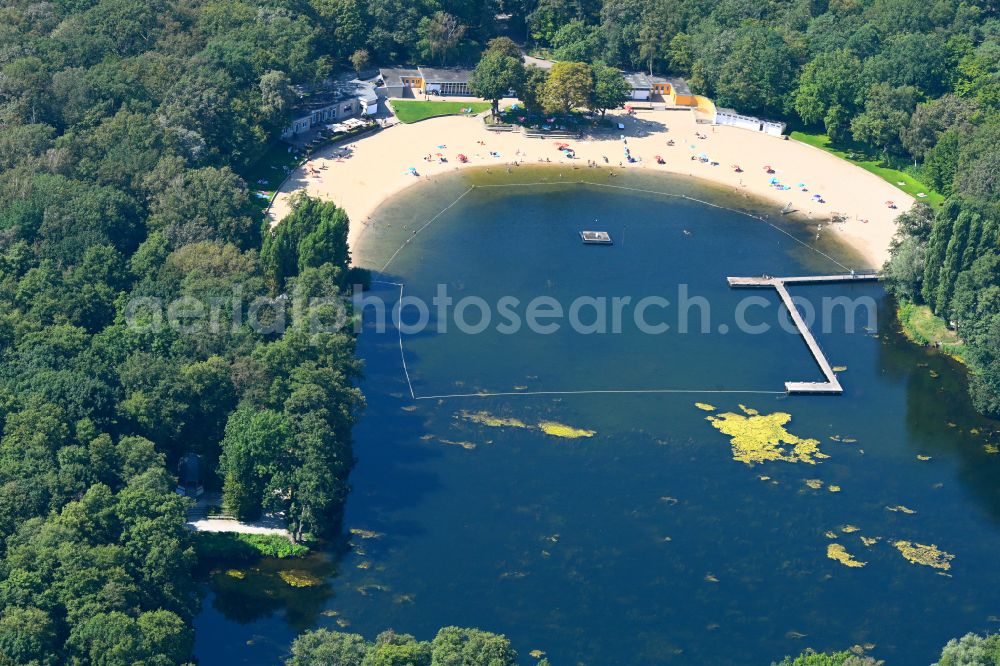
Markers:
(646, 542)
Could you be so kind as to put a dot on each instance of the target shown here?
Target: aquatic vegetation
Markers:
(850, 529)
(342, 623)
(548, 427)
(236, 573)
(487, 419)
(705, 406)
(562, 430)
(403, 599)
(758, 438)
(929, 556)
(468, 446)
(763, 477)
(830, 534)
(366, 534)
(364, 565)
(870, 541)
(711, 578)
(899, 508)
(299, 578)
(833, 488)
(991, 449)
(815, 484)
(835, 551)
(537, 654)
(921, 457)
(364, 589)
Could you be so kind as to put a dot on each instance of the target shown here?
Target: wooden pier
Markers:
(832, 385)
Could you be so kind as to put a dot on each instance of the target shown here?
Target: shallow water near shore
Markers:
(638, 538)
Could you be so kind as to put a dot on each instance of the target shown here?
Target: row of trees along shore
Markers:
(126, 130)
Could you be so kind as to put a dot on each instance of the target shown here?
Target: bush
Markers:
(232, 546)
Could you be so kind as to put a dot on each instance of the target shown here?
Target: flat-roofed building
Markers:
(641, 85)
(330, 102)
(446, 80)
(401, 81)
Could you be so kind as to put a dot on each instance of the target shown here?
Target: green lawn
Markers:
(923, 327)
(411, 111)
(910, 185)
(271, 168)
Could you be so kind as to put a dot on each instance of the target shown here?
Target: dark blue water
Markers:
(647, 542)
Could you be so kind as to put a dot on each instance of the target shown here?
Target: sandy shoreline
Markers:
(376, 167)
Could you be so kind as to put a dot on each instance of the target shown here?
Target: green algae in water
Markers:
(299, 578)
(837, 552)
(928, 556)
(758, 438)
(562, 430)
(487, 419)
(553, 428)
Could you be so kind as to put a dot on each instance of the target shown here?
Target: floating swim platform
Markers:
(595, 237)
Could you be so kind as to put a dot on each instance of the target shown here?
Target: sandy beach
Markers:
(359, 175)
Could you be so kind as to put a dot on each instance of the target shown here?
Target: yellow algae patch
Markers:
(870, 541)
(342, 623)
(833, 488)
(840, 368)
(705, 406)
(929, 556)
(366, 534)
(991, 449)
(364, 565)
(299, 578)
(487, 419)
(848, 529)
(899, 508)
(562, 430)
(764, 477)
(837, 552)
(757, 438)
(537, 654)
(236, 573)
(920, 457)
(830, 534)
(815, 484)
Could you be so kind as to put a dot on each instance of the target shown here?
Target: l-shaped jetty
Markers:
(832, 385)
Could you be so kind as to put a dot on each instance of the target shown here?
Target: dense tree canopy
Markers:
(126, 130)
(124, 127)
(452, 646)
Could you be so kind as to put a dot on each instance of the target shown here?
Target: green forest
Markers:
(126, 130)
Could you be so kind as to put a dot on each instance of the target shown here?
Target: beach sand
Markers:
(377, 166)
